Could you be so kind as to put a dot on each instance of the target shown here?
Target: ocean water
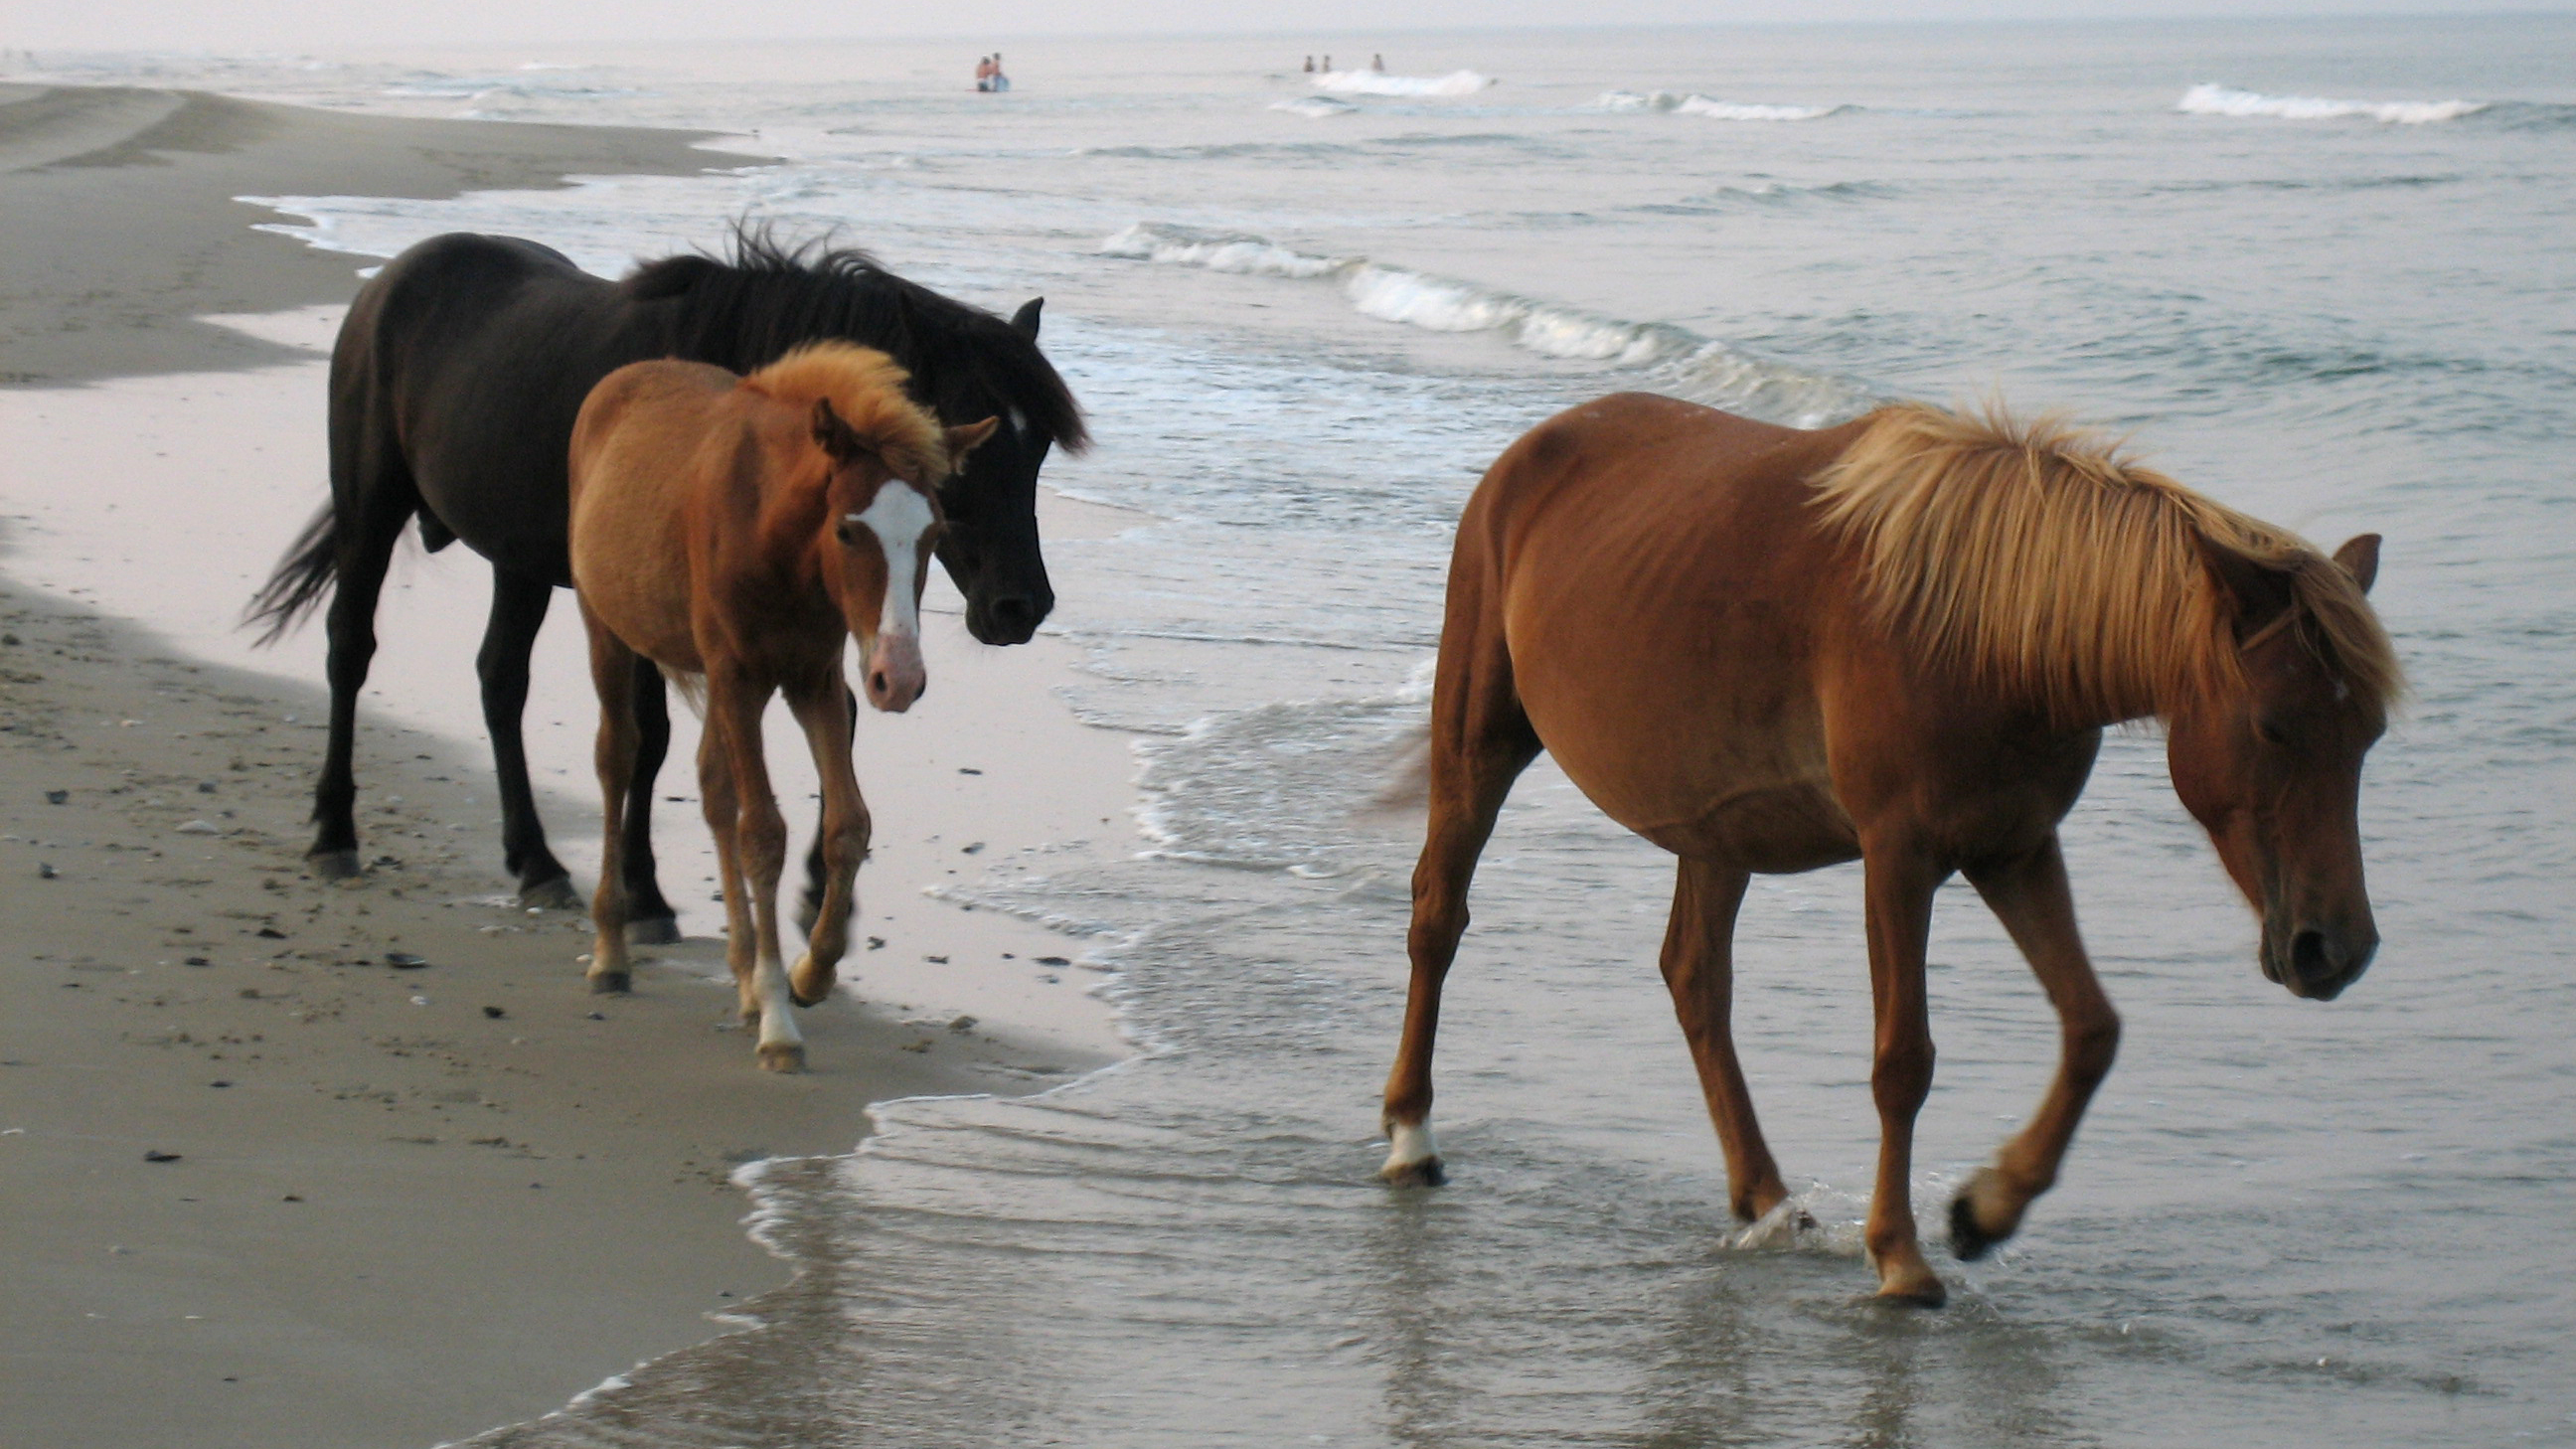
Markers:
(2317, 269)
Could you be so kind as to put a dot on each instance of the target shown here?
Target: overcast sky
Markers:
(230, 25)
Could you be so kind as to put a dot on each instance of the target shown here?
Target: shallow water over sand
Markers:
(1302, 333)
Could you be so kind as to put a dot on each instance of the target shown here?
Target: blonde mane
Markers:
(866, 388)
(2044, 562)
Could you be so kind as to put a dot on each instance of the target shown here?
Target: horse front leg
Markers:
(1699, 969)
(734, 706)
(1901, 881)
(841, 843)
(650, 921)
(519, 604)
(2029, 894)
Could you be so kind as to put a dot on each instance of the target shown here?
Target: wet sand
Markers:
(287, 1163)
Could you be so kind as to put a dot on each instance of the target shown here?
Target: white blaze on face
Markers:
(898, 518)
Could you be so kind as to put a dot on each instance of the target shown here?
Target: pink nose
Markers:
(895, 676)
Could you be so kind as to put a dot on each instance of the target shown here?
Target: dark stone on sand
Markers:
(494, 1012)
(199, 961)
(405, 961)
(57, 797)
(1054, 961)
(46, 872)
(271, 933)
(157, 1155)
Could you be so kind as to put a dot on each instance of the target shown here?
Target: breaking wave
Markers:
(2218, 100)
(1314, 107)
(1716, 110)
(1689, 365)
(1378, 83)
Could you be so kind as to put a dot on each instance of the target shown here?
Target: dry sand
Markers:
(268, 1181)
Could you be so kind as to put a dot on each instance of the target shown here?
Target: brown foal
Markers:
(1895, 641)
(736, 531)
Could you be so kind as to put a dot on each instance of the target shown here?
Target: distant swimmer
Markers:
(1310, 65)
(988, 74)
(1001, 82)
(1378, 63)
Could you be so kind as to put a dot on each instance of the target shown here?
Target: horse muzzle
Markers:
(1007, 618)
(895, 677)
(2316, 962)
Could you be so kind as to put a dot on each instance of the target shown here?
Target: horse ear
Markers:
(2255, 594)
(964, 439)
(1026, 319)
(2360, 558)
(834, 436)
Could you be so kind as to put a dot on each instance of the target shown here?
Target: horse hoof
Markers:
(611, 983)
(1968, 1240)
(1926, 1292)
(334, 865)
(653, 931)
(550, 895)
(782, 1056)
(1424, 1172)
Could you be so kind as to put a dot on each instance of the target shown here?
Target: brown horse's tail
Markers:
(307, 573)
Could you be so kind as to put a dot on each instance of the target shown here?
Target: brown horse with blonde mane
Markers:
(1897, 641)
(737, 531)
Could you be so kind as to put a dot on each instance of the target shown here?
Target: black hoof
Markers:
(1426, 1173)
(808, 1001)
(1968, 1242)
(613, 983)
(334, 865)
(555, 894)
(653, 931)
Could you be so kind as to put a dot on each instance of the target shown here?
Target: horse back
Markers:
(656, 469)
(454, 384)
(1662, 587)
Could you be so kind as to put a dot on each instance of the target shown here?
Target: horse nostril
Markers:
(2311, 960)
(878, 684)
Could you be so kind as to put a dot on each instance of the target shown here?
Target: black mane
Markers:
(743, 310)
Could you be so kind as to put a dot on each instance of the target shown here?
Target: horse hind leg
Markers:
(650, 921)
(372, 511)
(1699, 969)
(1481, 740)
(612, 671)
(2029, 895)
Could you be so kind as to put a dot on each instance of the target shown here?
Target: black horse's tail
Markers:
(303, 577)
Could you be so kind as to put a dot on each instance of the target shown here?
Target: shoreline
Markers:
(400, 1204)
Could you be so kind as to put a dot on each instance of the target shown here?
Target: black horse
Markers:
(454, 384)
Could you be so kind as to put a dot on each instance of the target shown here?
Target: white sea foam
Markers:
(1716, 110)
(1378, 83)
(1314, 107)
(1695, 367)
(1636, 101)
(1219, 251)
(2218, 100)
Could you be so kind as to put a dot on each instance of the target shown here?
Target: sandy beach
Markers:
(290, 1164)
